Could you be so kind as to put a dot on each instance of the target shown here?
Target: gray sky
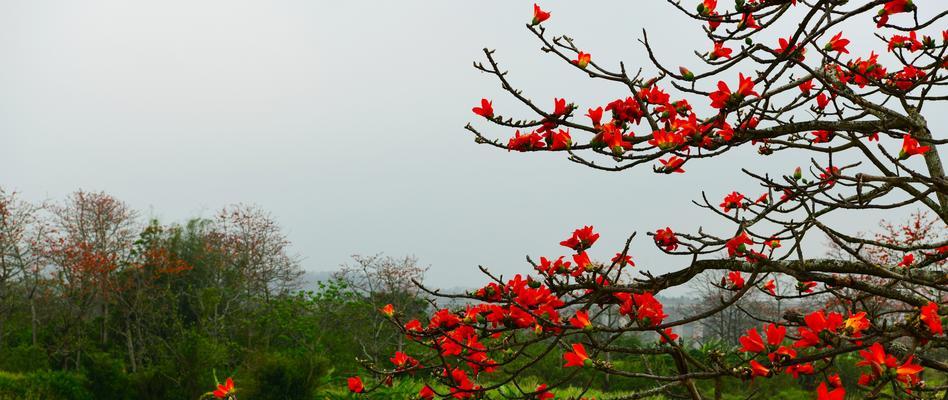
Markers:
(344, 119)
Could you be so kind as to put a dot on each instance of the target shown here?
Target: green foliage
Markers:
(23, 358)
(43, 385)
(276, 376)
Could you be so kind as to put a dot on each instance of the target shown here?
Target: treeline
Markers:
(96, 302)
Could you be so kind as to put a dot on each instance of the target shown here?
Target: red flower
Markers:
(908, 371)
(707, 7)
(877, 359)
(224, 390)
(837, 43)
(805, 287)
(801, 369)
(823, 393)
(855, 324)
(737, 281)
(581, 320)
(759, 370)
(775, 334)
(558, 140)
(486, 109)
(732, 201)
(649, 309)
(752, 342)
(539, 15)
(355, 385)
(582, 239)
(388, 310)
(907, 260)
(723, 96)
(577, 357)
(798, 53)
(736, 246)
(666, 140)
(672, 165)
(905, 79)
(531, 141)
(909, 42)
(582, 60)
(928, 314)
(670, 334)
(666, 238)
(426, 393)
(582, 262)
(823, 136)
(402, 360)
(595, 116)
(748, 21)
(893, 7)
(542, 392)
(720, 51)
(771, 286)
(627, 260)
(822, 100)
(806, 86)
(910, 147)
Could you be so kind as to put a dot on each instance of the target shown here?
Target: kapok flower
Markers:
(388, 310)
(720, 51)
(558, 140)
(426, 393)
(737, 281)
(707, 7)
(486, 109)
(581, 320)
(666, 238)
(577, 357)
(907, 260)
(723, 96)
(822, 100)
(877, 359)
(751, 342)
(771, 286)
(672, 165)
(910, 147)
(806, 86)
(928, 314)
(224, 390)
(893, 7)
(732, 201)
(355, 385)
(543, 393)
(775, 334)
(539, 15)
(796, 52)
(909, 42)
(582, 239)
(857, 323)
(837, 43)
(823, 136)
(908, 371)
(671, 336)
(823, 393)
(649, 309)
(582, 60)
(757, 369)
(737, 245)
(595, 116)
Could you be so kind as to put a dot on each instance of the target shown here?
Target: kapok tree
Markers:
(858, 121)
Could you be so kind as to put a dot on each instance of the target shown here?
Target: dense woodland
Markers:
(97, 302)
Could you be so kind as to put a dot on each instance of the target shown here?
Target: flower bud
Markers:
(686, 73)
(797, 174)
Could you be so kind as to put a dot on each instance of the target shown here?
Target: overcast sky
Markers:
(345, 120)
